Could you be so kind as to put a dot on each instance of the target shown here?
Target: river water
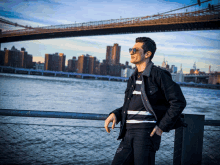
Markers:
(68, 141)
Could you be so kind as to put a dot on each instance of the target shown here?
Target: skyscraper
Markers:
(13, 57)
(29, 61)
(167, 66)
(83, 64)
(97, 67)
(55, 62)
(92, 63)
(104, 68)
(86, 64)
(80, 64)
(115, 58)
(174, 69)
(48, 62)
(113, 54)
(23, 56)
(26, 59)
(62, 59)
(72, 64)
(108, 54)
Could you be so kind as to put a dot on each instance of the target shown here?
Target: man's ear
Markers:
(148, 54)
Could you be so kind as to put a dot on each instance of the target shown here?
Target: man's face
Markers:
(138, 57)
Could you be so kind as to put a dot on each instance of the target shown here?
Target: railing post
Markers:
(0, 36)
(189, 141)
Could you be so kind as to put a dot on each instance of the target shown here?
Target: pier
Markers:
(8, 69)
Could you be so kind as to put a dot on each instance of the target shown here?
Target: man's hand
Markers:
(111, 118)
(156, 130)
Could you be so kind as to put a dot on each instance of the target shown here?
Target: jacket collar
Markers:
(147, 70)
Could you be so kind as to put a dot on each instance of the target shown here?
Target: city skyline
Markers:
(88, 64)
(184, 47)
(164, 63)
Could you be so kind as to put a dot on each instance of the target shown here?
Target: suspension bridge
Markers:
(202, 19)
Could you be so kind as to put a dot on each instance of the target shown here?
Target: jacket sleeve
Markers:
(118, 111)
(174, 96)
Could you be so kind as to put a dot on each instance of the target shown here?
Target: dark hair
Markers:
(149, 45)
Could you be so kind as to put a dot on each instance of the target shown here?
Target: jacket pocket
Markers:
(153, 90)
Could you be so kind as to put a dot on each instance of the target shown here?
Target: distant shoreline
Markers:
(195, 85)
(214, 87)
(184, 84)
(61, 76)
(24, 71)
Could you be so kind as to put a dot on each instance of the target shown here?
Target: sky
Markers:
(185, 47)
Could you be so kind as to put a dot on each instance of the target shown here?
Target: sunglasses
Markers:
(134, 50)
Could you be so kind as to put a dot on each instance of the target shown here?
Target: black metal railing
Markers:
(31, 143)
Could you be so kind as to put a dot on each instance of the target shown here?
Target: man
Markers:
(153, 104)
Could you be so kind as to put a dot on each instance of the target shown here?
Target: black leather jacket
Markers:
(160, 94)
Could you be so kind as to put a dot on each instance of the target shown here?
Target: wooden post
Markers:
(189, 141)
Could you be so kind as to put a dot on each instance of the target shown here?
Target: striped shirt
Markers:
(137, 115)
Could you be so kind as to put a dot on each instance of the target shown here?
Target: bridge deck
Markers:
(204, 18)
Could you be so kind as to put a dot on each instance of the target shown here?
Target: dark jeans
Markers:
(137, 147)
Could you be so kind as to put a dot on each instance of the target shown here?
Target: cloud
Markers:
(210, 35)
(82, 11)
(74, 45)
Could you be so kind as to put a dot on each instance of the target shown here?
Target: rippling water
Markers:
(30, 92)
